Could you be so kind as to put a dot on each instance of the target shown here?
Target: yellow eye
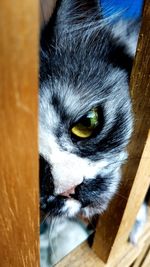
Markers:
(86, 125)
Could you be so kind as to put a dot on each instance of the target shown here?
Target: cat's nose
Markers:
(69, 192)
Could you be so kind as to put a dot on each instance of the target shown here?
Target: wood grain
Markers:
(146, 260)
(114, 226)
(19, 213)
(141, 258)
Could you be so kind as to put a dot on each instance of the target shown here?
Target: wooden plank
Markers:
(139, 260)
(114, 226)
(146, 262)
(81, 256)
(19, 212)
(129, 253)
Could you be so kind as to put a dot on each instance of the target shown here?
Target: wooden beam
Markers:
(114, 227)
(141, 258)
(19, 212)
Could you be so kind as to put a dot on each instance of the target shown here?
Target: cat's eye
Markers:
(85, 127)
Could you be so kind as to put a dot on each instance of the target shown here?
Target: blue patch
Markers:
(128, 9)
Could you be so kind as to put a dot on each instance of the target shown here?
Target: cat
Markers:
(85, 114)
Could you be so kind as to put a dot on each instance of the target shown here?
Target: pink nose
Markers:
(68, 192)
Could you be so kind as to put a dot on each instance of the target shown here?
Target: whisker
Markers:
(53, 224)
(45, 218)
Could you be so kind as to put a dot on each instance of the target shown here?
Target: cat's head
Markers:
(85, 119)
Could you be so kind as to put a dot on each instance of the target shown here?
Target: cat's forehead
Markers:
(63, 96)
(64, 99)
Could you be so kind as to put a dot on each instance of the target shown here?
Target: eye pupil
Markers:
(86, 122)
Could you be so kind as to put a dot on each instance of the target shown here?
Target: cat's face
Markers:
(85, 114)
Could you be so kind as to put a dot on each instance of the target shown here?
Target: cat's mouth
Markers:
(67, 203)
(49, 202)
(88, 198)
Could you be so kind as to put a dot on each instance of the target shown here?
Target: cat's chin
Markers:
(59, 207)
(71, 208)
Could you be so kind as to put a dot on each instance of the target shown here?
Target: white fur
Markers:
(71, 207)
(139, 224)
(68, 169)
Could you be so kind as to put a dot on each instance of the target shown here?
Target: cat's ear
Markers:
(69, 13)
(120, 57)
(125, 38)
